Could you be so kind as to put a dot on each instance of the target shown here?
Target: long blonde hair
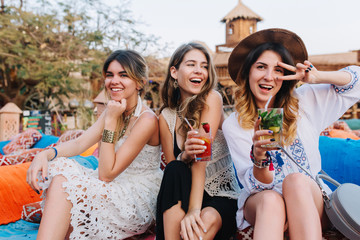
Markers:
(245, 101)
(135, 67)
(192, 107)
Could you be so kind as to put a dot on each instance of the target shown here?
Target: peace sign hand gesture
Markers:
(304, 72)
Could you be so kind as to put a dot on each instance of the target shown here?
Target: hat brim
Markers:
(288, 39)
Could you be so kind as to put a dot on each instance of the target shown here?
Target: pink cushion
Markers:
(20, 156)
(24, 140)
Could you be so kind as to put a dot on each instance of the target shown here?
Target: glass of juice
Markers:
(206, 137)
(272, 119)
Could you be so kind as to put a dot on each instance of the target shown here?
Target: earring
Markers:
(176, 85)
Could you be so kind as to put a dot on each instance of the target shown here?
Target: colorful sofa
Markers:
(19, 216)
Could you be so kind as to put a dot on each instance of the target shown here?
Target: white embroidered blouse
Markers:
(319, 106)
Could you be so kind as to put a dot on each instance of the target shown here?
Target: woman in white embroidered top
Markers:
(118, 199)
(269, 63)
(197, 200)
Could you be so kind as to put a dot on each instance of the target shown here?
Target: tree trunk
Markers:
(2, 10)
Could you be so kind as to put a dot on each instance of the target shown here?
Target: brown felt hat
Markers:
(288, 39)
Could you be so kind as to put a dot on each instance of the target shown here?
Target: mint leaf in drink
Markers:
(270, 119)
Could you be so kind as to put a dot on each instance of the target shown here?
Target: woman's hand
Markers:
(192, 223)
(115, 109)
(304, 72)
(193, 146)
(39, 164)
(259, 151)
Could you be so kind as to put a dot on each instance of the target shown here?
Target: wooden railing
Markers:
(353, 112)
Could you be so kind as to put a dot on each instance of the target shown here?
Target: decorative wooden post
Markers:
(100, 102)
(9, 121)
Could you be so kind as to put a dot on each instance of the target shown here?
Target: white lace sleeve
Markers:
(170, 118)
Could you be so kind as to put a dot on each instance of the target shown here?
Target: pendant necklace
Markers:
(126, 122)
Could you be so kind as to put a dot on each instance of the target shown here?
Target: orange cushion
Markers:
(90, 151)
(337, 133)
(24, 140)
(14, 192)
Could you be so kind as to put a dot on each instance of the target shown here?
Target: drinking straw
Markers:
(188, 123)
(267, 103)
(191, 129)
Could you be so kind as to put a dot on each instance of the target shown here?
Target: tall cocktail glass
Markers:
(272, 119)
(206, 137)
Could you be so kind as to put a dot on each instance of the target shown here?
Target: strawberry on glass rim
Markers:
(206, 126)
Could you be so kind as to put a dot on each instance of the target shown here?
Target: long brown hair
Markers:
(245, 101)
(192, 107)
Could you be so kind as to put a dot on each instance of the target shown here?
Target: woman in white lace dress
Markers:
(196, 199)
(118, 199)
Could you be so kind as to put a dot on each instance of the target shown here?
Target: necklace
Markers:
(126, 121)
(126, 124)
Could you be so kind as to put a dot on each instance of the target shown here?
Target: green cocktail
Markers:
(272, 119)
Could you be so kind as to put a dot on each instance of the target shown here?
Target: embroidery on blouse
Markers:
(347, 87)
(257, 185)
(298, 153)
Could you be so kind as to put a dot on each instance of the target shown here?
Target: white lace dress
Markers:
(114, 210)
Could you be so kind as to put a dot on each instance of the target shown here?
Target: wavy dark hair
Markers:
(192, 107)
(245, 101)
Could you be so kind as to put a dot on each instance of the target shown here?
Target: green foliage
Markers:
(42, 45)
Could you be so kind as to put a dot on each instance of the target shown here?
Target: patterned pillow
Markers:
(20, 156)
(24, 140)
(70, 135)
(32, 212)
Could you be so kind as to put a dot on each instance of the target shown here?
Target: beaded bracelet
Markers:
(108, 136)
(55, 154)
(263, 163)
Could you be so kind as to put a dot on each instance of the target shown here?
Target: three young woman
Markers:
(197, 200)
(270, 63)
(118, 199)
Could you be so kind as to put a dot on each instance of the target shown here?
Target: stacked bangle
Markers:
(179, 157)
(263, 163)
(55, 154)
(108, 136)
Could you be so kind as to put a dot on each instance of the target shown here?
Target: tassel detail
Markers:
(271, 167)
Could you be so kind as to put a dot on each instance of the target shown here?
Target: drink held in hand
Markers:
(206, 137)
(272, 119)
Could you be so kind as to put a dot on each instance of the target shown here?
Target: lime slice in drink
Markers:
(275, 129)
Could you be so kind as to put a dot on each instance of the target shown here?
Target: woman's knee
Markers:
(295, 183)
(57, 182)
(211, 217)
(270, 200)
(264, 204)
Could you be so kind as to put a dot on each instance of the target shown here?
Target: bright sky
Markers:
(326, 26)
